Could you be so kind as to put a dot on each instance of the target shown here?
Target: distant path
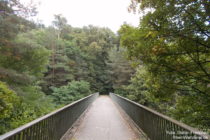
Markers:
(103, 121)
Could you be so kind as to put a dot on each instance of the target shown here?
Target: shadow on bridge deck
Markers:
(103, 121)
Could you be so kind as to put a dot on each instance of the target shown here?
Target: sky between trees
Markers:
(79, 13)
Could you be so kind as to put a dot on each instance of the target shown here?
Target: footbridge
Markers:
(105, 117)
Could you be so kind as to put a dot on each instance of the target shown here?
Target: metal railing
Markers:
(51, 126)
(155, 125)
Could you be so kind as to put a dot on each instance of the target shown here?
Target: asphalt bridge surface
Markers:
(104, 121)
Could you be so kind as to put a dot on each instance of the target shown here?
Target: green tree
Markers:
(172, 42)
(22, 63)
(120, 69)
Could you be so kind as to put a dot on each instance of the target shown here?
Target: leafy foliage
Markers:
(22, 63)
(172, 45)
(17, 110)
(120, 69)
(77, 54)
(70, 92)
(8, 100)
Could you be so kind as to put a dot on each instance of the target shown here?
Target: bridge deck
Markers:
(103, 121)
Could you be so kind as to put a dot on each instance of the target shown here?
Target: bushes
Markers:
(8, 100)
(17, 110)
(72, 91)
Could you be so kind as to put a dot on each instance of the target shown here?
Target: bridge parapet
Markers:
(156, 125)
(53, 125)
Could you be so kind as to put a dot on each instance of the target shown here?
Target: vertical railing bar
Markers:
(47, 137)
(32, 133)
(24, 134)
(49, 128)
(158, 127)
(155, 125)
(168, 128)
(171, 129)
(162, 131)
(36, 131)
(45, 130)
(161, 128)
(39, 129)
(28, 133)
(53, 127)
(42, 130)
(17, 137)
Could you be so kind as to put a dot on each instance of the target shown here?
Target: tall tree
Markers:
(120, 69)
(22, 63)
(172, 41)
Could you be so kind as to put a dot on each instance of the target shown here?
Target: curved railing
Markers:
(155, 125)
(51, 126)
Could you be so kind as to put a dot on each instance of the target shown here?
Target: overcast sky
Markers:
(79, 13)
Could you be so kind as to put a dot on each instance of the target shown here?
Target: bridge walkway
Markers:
(104, 121)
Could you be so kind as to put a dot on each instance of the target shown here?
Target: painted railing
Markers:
(51, 126)
(157, 126)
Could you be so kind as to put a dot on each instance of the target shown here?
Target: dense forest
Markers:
(171, 54)
(164, 63)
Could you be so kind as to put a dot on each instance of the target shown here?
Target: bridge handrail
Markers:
(156, 125)
(53, 125)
